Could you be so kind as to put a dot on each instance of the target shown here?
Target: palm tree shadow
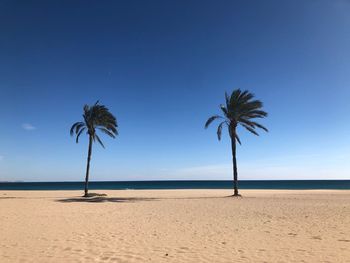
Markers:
(11, 197)
(98, 198)
(103, 198)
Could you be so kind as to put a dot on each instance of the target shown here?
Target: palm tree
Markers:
(95, 117)
(241, 109)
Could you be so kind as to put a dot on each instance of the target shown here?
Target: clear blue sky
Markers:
(162, 68)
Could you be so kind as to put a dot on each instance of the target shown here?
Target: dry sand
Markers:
(175, 226)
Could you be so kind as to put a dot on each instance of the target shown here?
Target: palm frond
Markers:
(211, 119)
(251, 105)
(252, 124)
(237, 138)
(75, 127)
(246, 122)
(99, 140)
(224, 110)
(79, 133)
(79, 127)
(104, 130)
(251, 116)
(250, 129)
(227, 99)
(258, 113)
(219, 130)
(86, 109)
(245, 96)
(235, 96)
(260, 126)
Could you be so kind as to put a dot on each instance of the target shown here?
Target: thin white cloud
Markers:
(261, 171)
(28, 127)
(1, 157)
(205, 172)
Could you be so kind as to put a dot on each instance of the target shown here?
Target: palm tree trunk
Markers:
(88, 167)
(234, 162)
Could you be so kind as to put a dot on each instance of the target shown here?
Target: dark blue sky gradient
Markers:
(162, 67)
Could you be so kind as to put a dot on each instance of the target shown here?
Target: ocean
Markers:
(209, 184)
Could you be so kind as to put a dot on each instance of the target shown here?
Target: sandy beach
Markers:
(175, 226)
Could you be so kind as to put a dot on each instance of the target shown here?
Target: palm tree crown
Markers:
(240, 109)
(96, 117)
